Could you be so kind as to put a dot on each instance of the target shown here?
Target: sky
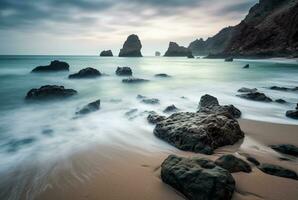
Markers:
(85, 27)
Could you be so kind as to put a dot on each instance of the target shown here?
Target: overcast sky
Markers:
(74, 27)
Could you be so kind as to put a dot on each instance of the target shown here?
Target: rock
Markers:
(154, 118)
(171, 108)
(292, 114)
(255, 96)
(157, 53)
(283, 88)
(54, 66)
(253, 160)
(190, 56)
(123, 71)
(107, 53)
(85, 73)
(286, 149)
(131, 47)
(246, 66)
(297, 106)
(174, 50)
(197, 178)
(280, 101)
(141, 96)
(278, 171)
(134, 80)
(198, 132)
(162, 75)
(247, 90)
(91, 107)
(208, 100)
(49, 92)
(229, 59)
(233, 164)
(150, 101)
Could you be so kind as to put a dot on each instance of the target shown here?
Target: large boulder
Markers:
(198, 178)
(255, 96)
(208, 100)
(292, 114)
(85, 73)
(54, 66)
(199, 132)
(278, 171)
(174, 50)
(134, 80)
(123, 71)
(91, 107)
(107, 53)
(286, 149)
(233, 164)
(131, 47)
(49, 92)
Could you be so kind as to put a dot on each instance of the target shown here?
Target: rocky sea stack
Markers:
(174, 50)
(107, 53)
(49, 92)
(131, 47)
(54, 66)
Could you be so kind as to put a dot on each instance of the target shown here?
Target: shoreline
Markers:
(109, 173)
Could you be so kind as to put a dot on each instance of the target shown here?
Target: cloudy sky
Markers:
(74, 27)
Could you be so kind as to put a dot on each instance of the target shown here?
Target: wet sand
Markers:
(107, 173)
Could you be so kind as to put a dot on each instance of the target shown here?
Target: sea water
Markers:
(35, 133)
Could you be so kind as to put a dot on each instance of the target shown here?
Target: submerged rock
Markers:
(283, 88)
(190, 56)
(162, 75)
(49, 92)
(286, 149)
(134, 80)
(246, 66)
(278, 171)
(123, 71)
(131, 47)
(247, 90)
(199, 132)
(170, 109)
(174, 50)
(197, 178)
(150, 101)
(85, 73)
(280, 101)
(233, 164)
(255, 96)
(229, 59)
(107, 53)
(154, 118)
(292, 114)
(91, 107)
(54, 66)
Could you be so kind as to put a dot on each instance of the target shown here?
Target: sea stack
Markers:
(131, 47)
(174, 50)
(106, 53)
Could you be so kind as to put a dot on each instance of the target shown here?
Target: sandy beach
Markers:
(104, 172)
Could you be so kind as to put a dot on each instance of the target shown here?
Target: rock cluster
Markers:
(54, 66)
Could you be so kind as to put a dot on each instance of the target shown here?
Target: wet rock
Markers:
(134, 80)
(85, 73)
(253, 160)
(280, 101)
(229, 59)
(131, 47)
(150, 101)
(49, 92)
(171, 108)
(199, 132)
(91, 107)
(233, 164)
(255, 96)
(174, 50)
(197, 178)
(107, 53)
(278, 171)
(247, 90)
(208, 100)
(162, 75)
(283, 88)
(123, 71)
(288, 149)
(54, 66)
(190, 56)
(292, 114)
(246, 66)
(154, 118)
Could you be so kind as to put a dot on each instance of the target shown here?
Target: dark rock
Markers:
(280, 101)
(171, 108)
(91, 107)
(123, 71)
(233, 164)
(255, 96)
(286, 149)
(292, 114)
(141, 96)
(131, 47)
(278, 171)
(199, 132)
(190, 56)
(134, 80)
(132, 111)
(247, 90)
(85, 73)
(107, 53)
(197, 178)
(246, 66)
(54, 66)
(162, 75)
(296, 107)
(157, 53)
(283, 88)
(253, 160)
(208, 100)
(15, 144)
(49, 92)
(174, 50)
(150, 101)
(229, 59)
(154, 118)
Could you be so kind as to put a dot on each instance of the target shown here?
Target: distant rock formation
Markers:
(269, 30)
(54, 66)
(174, 50)
(131, 47)
(157, 53)
(107, 53)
